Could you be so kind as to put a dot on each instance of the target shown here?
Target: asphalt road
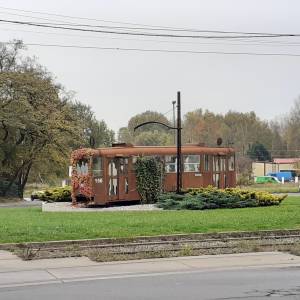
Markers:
(228, 276)
(25, 203)
(217, 284)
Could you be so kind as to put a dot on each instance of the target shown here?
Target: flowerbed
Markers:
(212, 198)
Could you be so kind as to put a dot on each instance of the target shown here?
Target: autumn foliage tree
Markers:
(91, 127)
(39, 125)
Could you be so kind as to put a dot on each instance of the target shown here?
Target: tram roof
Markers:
(154, 150)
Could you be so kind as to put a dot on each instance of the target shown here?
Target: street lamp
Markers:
(174, 102)
(178, 129)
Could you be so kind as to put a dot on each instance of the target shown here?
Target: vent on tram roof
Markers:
(122, 145)
(219, 141)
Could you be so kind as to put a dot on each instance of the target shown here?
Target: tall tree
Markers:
(279, 145)
(148, 116)
(155, 138)
(202, 127)
(148, 135)
(92, 128)
(124, 135)
(39, 124)
(244, 129)
(292, 130)
(26, 98)
(258, 152)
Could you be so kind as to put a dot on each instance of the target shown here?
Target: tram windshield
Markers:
(82, 166)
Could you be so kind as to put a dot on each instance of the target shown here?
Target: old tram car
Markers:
(107, 175)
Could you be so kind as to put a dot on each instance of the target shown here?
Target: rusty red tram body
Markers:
(107, 175)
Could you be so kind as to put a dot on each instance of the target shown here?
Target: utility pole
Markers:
(179, 164)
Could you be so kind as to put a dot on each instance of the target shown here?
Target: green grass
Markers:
(288, 187)
(31, 224)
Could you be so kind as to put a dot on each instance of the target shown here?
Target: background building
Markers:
(279, 164)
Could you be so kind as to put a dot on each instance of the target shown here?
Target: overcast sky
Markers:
(121, 84)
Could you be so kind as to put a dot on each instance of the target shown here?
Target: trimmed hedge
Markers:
(58, 194)
(212, 198)
(149, 178)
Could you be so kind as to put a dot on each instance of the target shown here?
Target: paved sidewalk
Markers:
(15, 272)
(26, 203)
(67, 207)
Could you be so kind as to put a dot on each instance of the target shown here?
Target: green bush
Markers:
(212, 198)
(149, 178)
(58, 194)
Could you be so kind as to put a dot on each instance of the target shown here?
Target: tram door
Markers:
(118, 179)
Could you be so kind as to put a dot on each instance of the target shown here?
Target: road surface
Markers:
(238, 276)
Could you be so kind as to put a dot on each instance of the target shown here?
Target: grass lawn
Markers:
(31, 224)
(288, 187)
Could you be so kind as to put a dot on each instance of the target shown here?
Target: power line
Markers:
(148, 34)
(148, 27)
(37, 18)
(197, 42)
(158, 50)
(84, 18)
(223, 42)
(136, 24)
(59, 23)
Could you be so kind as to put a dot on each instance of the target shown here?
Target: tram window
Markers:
(216, 164)
(171, 164)
(97, 167)
(191, 163)
(82, 167)
(124, 166)
(113, 187)
(216, 178)
(231, 163)
(112, 168)
(206, 162)
(223, 163)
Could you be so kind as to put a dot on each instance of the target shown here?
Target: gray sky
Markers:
(120, 84)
